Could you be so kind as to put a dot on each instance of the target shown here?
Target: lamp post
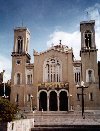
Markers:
(31, 102)
(4, 95)
(82, 86)
(4, 89)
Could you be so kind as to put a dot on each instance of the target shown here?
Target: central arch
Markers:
(43, 101)
(53, 101)
(63, 101)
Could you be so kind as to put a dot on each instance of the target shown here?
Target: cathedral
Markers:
(51, 82)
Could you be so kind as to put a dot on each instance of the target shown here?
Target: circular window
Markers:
(18, 62)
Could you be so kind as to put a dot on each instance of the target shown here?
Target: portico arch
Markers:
(43, 100)
(63, 100)
(53, 101)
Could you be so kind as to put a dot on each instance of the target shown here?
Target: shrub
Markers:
(7, 110)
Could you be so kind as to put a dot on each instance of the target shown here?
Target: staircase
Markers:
(62, 120)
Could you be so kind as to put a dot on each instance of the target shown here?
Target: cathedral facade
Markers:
(50, 83)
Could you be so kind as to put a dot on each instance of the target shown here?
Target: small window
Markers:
(18, 78)
(78, 97)
(90, 75)
(91, 96)
(28, 97)
(18, 62)
(29, 79)
(77, 77)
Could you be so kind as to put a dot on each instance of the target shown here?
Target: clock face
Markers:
(88, 40)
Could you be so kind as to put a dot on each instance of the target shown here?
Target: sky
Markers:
(48, 22)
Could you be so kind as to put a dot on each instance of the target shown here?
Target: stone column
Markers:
(58, 101)
(47, 103)
(38, 103)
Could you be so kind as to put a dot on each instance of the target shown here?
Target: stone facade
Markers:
(50, 82)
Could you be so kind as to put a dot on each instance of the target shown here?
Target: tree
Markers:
(7, 110)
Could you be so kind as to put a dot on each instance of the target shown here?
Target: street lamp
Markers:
(82, 86)
(31, 102)
(4, 96)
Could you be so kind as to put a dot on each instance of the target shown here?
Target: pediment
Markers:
(54, 48)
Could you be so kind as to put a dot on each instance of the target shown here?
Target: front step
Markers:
(67, 128)
(56, 113)
(48, 113)
(58, 120)
(63, 118)
(52, 112)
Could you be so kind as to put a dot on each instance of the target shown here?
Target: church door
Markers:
(63, 99)
(43, 101)
(53, 101)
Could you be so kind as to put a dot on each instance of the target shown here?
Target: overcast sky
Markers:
(48, 21)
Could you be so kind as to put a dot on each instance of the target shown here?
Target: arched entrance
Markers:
(63, 99)
(43, 101)
(53, 101)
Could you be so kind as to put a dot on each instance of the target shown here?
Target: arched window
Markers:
(77, 77)
(18, 78)
(78, 97)
(29, 79)
(20, 44)
(88, 39)
(28, 97)
(77, 74)
(52, 70)
(90, 75)
(91, 96)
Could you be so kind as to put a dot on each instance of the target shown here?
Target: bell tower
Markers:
(20, 58)
(87, 35)
(21, 40)
(89, 66)
(88, 51)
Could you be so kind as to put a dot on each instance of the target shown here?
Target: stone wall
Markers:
(20, 125)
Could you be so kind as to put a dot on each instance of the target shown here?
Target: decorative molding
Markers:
(53, 85)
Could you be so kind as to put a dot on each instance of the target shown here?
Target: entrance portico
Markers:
(53, 100)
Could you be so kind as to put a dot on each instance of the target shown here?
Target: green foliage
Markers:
(7, 110)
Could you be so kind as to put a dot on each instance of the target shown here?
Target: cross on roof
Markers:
(60, 42)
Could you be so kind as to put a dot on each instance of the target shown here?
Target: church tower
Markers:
(88, 51)
(89, 66)
(20, 58)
